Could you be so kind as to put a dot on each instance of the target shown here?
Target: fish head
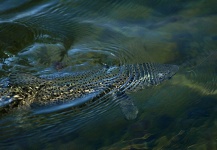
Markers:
(163, 72)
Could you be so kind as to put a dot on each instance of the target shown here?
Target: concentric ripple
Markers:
(115, 42)
(44, 43)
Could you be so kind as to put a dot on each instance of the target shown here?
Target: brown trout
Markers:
(83, 87)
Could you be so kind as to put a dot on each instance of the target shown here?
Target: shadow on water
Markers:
(67, 36)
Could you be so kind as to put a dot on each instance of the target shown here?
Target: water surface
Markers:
(67, 36)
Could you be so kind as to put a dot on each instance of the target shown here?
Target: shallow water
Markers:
(67, 36)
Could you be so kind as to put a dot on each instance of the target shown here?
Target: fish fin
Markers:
(127, 106)
(24, 79)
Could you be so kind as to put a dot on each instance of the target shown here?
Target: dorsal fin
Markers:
(24, 79)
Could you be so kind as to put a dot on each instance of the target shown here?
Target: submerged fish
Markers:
(27, 90)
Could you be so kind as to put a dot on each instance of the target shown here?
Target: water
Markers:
(62, 36)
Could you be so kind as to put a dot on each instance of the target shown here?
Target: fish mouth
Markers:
(173, 70)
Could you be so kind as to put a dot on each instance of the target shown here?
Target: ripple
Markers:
(165, 7)
(51, 125)
(12, 43)
(52, 38)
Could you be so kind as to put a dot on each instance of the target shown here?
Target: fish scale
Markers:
(57, 89)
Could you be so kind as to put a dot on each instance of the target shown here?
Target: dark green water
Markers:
(47, 37)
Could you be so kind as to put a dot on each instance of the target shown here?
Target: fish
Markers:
(83, 87)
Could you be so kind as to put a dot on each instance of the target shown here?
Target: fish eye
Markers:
(160, 75)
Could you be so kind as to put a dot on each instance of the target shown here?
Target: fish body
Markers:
(25, 89)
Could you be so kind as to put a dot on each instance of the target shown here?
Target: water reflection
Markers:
(47, 37)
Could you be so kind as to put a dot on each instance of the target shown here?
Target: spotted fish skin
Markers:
(25, 89)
